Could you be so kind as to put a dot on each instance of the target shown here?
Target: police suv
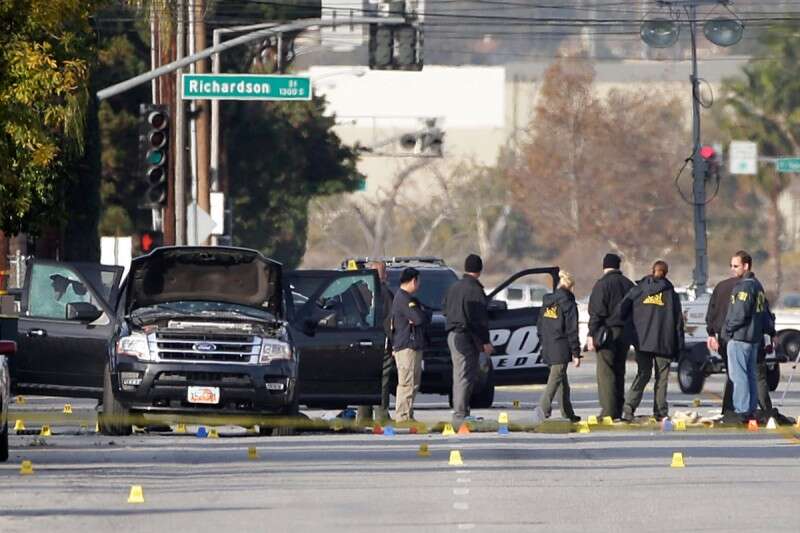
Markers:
(517, 357)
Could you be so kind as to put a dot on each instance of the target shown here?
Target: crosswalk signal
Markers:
(154, 150)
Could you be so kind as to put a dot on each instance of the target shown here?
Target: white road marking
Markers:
(460, 492)
(461, 506)
(463, 480)
(466, 526)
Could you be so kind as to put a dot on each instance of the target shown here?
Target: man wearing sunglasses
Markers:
(715, 322)
(747, 320)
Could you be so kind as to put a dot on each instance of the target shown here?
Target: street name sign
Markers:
(245, 87)
(744, 157)
(788, 164)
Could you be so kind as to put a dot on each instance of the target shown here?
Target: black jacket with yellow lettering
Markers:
(409, 319)
(749, 317)
(558, 328)
(657, 316)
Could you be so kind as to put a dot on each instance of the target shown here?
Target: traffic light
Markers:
(150, 240)
(154, 153)
(395, 47)
(428, 141)
(712, 161)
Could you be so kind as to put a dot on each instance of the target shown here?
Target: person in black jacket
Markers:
(658, 320)
(409, 319)
(381, 412)
(467, 324)
(715, 324)
(557, 328)
(604, 321)
(746, 323)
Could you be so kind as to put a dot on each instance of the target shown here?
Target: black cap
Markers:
(473, 263)
(611, 261)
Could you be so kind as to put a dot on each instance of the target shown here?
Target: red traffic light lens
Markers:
(157, 120)
(707, 152)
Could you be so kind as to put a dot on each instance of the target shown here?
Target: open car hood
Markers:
(205, 273)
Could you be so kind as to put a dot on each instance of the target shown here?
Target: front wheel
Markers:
(115, 418)
(773, 376)
(484, 398)
(690, 376)
(286, 426)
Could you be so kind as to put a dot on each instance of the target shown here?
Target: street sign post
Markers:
(245, 87)
(788, 164)
(744, 157)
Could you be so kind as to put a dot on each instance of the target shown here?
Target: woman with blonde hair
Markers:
(558, 336)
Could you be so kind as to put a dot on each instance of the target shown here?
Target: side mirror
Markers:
(83, 312)
(8, 348)
(309, 327)
(497, 305)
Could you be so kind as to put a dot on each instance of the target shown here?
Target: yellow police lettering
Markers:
(760, 300)
(654, 299)
(551, 312)
(742, 296)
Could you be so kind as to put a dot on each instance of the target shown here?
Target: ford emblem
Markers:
(205, 347)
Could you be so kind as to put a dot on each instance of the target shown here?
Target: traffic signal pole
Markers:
(182, 61)
(700, 273)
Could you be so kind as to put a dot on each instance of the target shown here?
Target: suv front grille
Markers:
(204, 347)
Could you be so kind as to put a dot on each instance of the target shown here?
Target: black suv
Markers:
(516, 360)
(198, 331)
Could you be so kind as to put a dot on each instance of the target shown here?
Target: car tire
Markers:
(691, 377)
(484, 398)
(284, 430)
(773, 376)
(790, 344)
(115, 417)
(4, 443)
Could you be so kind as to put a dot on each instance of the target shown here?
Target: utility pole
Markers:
(180, 133)
(202, 128)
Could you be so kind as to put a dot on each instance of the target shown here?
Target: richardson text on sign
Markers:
(245, 87)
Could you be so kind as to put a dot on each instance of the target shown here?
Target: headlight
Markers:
(135, 345)
(272, 349)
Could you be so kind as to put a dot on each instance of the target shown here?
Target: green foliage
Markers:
(46, 48)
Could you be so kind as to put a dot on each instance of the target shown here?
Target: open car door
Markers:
(66, 321)
(517, 354)
(337, 328)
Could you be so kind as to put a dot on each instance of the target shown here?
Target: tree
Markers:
(46, 48)
(592, 169)
(764, 106)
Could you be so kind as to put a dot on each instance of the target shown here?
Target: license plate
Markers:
(208, 395)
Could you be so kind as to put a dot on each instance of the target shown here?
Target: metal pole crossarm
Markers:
(693, 3)
(126, 85)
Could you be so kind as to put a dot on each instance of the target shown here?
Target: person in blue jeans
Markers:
(746, 323)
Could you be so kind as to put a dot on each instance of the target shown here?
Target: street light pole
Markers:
(663, 32)
(698, 170)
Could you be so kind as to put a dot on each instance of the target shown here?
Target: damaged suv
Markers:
(200, 328)
(198, 331)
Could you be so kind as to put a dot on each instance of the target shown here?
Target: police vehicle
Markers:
(697, 362)
(517, 357)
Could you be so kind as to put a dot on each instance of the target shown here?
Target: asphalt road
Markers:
(611, 479)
